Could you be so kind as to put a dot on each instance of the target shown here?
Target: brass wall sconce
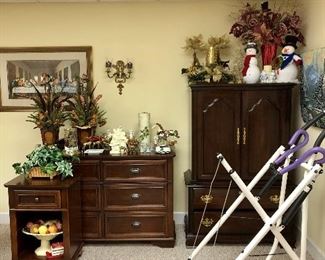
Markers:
(122, 72)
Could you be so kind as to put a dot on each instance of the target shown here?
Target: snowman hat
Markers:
(290, 40)
(265, 6)
(251, 45)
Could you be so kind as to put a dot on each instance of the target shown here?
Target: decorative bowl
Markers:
(45, 242)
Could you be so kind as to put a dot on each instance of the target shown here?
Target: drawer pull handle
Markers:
(36, 199)
(135, 170)
(135, 196)
(136, 224)
(274, 198)
(207, 222)
(206, 198)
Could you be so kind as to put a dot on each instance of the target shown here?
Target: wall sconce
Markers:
(122, 72)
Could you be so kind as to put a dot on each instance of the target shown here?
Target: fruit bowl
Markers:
(45, 241)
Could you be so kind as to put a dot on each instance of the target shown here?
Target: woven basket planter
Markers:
(36, 172)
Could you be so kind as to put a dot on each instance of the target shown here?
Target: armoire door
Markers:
(265, 126)
(215, 129)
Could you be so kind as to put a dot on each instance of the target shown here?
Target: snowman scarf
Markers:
(246, 64)
(286, 59)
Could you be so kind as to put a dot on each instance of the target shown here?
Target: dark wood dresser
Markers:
(127, 198)
(246, 123)
(33, 199)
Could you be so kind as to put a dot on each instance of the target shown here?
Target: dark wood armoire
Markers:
(246, 123)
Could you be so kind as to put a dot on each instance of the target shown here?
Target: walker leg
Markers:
(236, 203)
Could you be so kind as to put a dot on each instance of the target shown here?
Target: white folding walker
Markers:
(282, 158)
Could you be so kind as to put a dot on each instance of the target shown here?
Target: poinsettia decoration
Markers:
(262, 25)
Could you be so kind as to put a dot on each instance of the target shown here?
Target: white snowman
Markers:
(289, 61)
(251, 72)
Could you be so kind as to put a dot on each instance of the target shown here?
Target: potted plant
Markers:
(50, 112)
(45, 161)
(85, 114)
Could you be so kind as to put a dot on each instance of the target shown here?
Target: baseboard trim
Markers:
(179, 218)
(4, 218)
(312, 249)
(315, 251)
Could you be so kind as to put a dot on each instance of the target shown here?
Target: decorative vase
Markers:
(83, 133)
(144, 126)
(50, 136)
(268, 51)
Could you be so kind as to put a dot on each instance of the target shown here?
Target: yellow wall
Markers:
(315, 38)
(148, 34)
(151, 36)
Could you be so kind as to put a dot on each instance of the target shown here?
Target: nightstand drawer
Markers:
(135, 170)
(135, 226)
(135, 196)
(37, 199)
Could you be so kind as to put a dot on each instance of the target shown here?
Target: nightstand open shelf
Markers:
(33, 199)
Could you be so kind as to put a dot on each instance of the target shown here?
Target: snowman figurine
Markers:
(289, 61)
(251, 72)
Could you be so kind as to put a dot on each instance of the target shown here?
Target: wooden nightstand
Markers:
(31, 199)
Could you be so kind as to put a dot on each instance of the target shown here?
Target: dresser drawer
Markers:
(134, 170)
(135, 196)
(135, 225)
(88, 170)
(218, 195)
(37, 199)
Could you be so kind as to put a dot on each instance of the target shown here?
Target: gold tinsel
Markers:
(194, 43)
(218, 42)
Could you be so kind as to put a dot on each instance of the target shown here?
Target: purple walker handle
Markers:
(293, 140)
(304, 158)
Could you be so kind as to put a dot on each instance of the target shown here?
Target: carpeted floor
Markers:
(148, 251)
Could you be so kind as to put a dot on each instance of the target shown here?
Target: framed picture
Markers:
(21, 66)
(313, 87)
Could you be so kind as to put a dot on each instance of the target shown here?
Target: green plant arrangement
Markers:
(85, 109)
(50, 159)
(50, 111)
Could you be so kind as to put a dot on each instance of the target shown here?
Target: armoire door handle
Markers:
(244, 135)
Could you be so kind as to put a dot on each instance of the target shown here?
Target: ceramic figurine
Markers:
(251, 72)
(289, 61)
(118, 141)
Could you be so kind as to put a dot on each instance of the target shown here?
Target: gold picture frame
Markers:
(20, 64)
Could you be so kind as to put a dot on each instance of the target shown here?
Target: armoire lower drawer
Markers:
(241, 222)
(217, 197)
(120, 226)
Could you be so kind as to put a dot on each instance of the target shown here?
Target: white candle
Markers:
(144, 119)
(144, 125)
